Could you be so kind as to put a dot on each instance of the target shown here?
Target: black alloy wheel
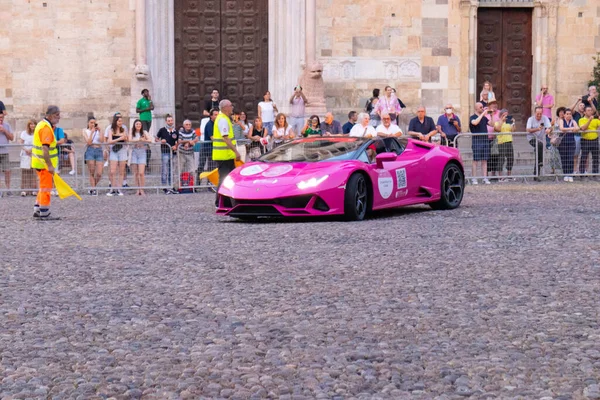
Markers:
(453, 188)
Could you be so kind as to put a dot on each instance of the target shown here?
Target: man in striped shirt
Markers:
(185, 147)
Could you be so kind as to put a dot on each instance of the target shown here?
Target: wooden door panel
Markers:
(489, 48)
(223, 45)
(504, 57)
(517, 64)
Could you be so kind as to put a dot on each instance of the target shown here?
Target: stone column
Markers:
(469, 55)
(160, 34)
(311, 31)
(141, 68)
(286, 48)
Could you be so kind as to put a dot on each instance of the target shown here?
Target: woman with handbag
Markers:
(117, 136)
(566, 143)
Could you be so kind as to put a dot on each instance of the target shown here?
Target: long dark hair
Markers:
(318, 121)
(114, 124)
(134, 131)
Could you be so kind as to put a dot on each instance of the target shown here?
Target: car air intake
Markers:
(320, 205)
(257, 210)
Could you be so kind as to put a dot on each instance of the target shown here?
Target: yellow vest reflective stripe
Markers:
(220, 150)
(37, 152)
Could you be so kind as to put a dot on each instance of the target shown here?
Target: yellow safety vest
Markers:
(37, 152)
(220, 150)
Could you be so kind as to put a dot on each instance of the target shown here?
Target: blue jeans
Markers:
(165, 171)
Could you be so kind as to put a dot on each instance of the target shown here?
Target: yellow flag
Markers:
(213, 176)
(63, 189)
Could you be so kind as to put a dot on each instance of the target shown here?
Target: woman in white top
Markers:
(281, 130)
(93, 153)
(28, 181)
(266, 111)
(362, 127)
(139, 137)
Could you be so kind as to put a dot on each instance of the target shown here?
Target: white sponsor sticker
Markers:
(277, 171)
(253, 170)
(385, 185)
(401, 178)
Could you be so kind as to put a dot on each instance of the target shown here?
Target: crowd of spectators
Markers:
(569, 137)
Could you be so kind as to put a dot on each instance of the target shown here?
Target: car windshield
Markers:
(315, 150)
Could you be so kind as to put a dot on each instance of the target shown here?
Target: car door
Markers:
(406, 171)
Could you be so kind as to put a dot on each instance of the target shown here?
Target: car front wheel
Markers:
(356, 198)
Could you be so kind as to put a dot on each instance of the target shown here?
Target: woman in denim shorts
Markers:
(139, 137)
(117, 137)
(93, 153)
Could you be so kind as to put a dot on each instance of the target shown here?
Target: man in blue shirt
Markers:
(448, 124)
(206, 144)
(347, 127)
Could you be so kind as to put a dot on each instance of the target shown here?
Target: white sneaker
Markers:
(119, 193)
(486, 181)
(72, 172)
(570, 179)
(106, 164)
(110, 193)
(566, 179)
(474, 181)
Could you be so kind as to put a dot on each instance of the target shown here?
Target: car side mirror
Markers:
(385, 157)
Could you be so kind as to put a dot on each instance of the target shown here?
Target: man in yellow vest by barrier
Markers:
(224, 151)
(44, 159)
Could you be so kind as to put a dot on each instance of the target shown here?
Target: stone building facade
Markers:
(95, 57)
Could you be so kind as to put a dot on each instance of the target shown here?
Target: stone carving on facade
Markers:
(142, 72)
(313, 87)
(358, 68)
(409, 69)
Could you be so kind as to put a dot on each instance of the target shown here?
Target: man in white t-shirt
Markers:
(387, 128)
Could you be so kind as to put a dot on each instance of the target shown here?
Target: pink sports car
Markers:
(347, 176)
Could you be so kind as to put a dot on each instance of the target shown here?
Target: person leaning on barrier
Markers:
(422, 127)
(44, 159)
(478, 123)
(93, 154)
(589, 140)
(6, 135)
(448, 124)
(538, 127)
(568, 129)
(167, 136)
(224, 145)
(505, 126)
(185, 147)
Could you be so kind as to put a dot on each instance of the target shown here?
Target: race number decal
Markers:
(401, 178)
(253, 170)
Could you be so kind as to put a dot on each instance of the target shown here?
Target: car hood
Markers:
(282, 174)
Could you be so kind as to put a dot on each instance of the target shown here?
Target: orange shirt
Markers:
(46, 136)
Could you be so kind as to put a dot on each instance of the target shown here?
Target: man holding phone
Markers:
(298, 102)
(545, 100)
(538, 127)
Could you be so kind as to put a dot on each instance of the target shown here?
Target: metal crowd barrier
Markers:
(15, 163)
(118, 169)
(559, 156)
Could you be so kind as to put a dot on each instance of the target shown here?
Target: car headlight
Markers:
(311, 183)
(228, 182)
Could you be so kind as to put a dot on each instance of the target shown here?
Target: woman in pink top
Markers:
(546, 101)
(389, 104)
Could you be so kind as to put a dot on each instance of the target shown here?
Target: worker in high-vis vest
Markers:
(44, 159)
(224, 151)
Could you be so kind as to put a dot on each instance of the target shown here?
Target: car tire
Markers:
(356, 198)
(452, 188)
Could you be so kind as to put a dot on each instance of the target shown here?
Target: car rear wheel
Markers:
(453, 188)
(356, 198)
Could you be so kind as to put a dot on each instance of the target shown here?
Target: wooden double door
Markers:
(223, 45)
(504, 58)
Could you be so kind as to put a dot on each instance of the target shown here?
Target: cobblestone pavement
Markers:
(158, 298)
